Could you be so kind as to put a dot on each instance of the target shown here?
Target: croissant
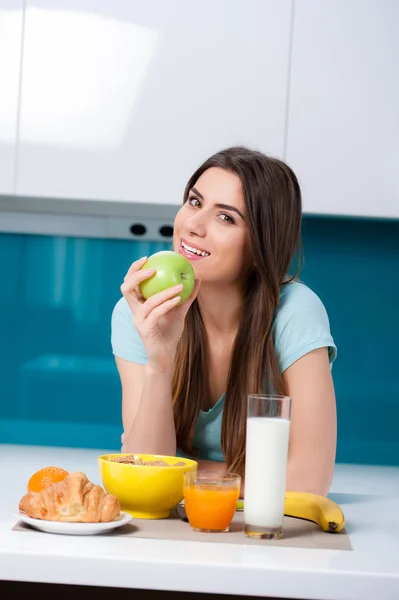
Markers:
(74, 500)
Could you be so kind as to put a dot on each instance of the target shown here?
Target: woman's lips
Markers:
(190, 255)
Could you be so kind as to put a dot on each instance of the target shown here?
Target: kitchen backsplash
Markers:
(59, 384)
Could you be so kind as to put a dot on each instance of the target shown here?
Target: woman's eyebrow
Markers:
(225, 206)
(233, 208)
(197, 193)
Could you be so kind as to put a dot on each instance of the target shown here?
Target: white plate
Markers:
(74, 528)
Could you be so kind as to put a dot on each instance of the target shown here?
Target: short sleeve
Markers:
(301, 325)
(125, 340)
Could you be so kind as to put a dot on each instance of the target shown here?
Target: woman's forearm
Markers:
(301, 478)
(153, 429)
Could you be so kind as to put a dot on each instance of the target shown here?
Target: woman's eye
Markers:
(194, 201)
(227, 218)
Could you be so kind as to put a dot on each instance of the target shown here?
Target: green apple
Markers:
(171, 269)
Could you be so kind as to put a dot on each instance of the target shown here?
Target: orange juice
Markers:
(210, 506)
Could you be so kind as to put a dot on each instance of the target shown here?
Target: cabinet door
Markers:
(343, 133)
(122, 100)
(11, 15)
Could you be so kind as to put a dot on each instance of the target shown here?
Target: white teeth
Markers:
(194, 250)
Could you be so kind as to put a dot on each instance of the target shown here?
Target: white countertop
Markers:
(369, 497)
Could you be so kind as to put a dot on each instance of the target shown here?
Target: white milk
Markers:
(265, 470)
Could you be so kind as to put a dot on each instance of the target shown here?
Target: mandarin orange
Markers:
(45, 477)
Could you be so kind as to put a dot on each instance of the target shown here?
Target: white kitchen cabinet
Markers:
(343, 127)
(122, 100)
(11, 17)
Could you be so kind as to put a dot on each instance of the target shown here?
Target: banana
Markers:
(312, 507)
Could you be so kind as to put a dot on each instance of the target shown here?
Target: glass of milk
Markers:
(268, 429)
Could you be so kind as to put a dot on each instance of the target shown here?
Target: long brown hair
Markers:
(274, 210)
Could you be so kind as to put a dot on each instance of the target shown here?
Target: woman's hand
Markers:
(158, 320)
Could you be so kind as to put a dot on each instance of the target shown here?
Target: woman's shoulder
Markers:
(297, 297)
(122, 308)
(125, 339)
(301, 324)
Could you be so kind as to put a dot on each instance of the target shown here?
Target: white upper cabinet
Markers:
(123, 99)
(343, 132)
(11, 16)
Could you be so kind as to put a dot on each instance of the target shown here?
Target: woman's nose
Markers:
(196, 225)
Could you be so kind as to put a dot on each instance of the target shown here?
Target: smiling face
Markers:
(210, 228)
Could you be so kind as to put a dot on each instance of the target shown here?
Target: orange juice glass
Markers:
(210, 500)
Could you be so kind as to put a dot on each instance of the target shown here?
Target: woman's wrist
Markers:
(160, 368)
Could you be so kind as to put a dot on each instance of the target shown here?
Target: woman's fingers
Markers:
(162, 310)
(186, 305)
(158, 299)
(139, 294)
(128, 287)
(165, 306)
(135, 266)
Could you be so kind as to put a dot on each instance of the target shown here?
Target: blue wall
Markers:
(59, 384)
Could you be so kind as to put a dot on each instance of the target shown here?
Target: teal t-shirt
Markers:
(300, 325)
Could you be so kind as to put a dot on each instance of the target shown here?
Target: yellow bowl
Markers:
(144, 491)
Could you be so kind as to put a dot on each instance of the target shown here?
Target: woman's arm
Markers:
(313, 434)
(313, 429)
(147, 409)
(147, 399)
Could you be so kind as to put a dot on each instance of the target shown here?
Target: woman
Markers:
(186, 370)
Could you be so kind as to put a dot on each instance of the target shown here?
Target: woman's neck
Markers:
(221, 309)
